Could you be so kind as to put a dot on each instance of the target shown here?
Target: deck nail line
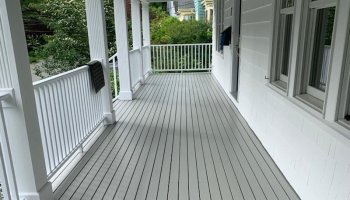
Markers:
(203, 97)
(231, 107)
(129, 143)
(207, 137)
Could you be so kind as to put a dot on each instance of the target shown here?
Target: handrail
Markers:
(60, 76)
(135, 50)
(7, 174)
(112, 57)
(198, 44)
(4, 95)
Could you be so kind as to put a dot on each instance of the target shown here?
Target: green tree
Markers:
(169, 30)
(68, 47)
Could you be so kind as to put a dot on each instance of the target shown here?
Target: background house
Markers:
(186, 10)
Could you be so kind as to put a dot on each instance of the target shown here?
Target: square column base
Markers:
(109, 118)
(125, 96)
(45, 193)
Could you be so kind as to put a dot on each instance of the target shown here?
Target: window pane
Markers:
(288, 22)
(287, 3)
(321, 49)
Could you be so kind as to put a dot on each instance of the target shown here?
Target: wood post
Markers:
(146, 33)
(99, 51)
(136, 34)
(121, 30)
(20, 114)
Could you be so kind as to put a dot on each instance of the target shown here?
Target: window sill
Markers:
(344, 123)
(220, 53)
(311, 101)
(280, 85)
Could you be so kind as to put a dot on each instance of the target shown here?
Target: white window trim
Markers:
(219, 24)
(330, 119)
(344, 100)
(303, 87)
(280, 81)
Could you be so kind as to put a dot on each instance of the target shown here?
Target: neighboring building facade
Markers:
(186, 10)
(199, 9)
(208, 10)
(171, 8)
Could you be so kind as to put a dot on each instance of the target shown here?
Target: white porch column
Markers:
(146, 32)
(20, 113)
(136, 34)
(99, 51)
(121, 31)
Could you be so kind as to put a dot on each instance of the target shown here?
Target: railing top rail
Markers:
(60, 76)
(198, 44)
(112, 57)
(134, 50)
(4, 95)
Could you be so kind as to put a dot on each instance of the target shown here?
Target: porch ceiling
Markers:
(181, 138)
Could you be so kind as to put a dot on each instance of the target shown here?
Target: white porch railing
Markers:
(113, 62)
(138, 57)
(7, 175)
(69, 111)
(181, 57)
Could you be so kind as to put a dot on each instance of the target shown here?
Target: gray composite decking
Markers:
(181, 138)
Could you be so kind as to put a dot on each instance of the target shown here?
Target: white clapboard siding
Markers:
(313, 156)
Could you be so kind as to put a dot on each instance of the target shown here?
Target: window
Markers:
(344, 107)
(316, 65)
(219, 19)
(284, 32)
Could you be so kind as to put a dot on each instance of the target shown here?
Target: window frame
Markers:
(219, 26)
(344, 99)
(306, 93)
(277, 78)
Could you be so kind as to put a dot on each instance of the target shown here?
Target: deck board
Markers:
(181, 138)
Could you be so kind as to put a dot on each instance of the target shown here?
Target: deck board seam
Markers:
(167, 132)
(225, 147)
(107, 141)
(207, 137)
(213, 132)
(130, 160)
(127, 124)
(232, 108)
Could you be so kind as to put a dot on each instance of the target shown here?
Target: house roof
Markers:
(183, 4)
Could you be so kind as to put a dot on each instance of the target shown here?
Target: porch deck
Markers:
(181, 138)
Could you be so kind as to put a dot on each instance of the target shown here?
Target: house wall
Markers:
(312, 154)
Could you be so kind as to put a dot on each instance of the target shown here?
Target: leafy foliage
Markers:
(169, 30)
(68, 47)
